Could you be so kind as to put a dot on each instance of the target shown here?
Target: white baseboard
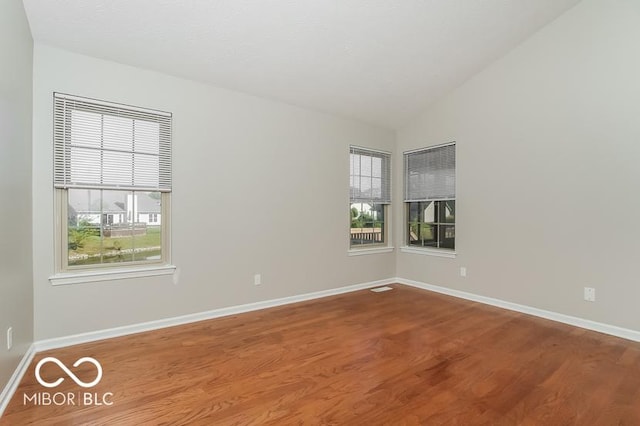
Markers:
(14, 381)
(613, 330)
(65, 341)
(60, 342)
(16, 377)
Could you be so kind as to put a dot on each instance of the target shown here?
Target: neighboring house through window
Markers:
(112, 174)
(430, 197)
(370, 196)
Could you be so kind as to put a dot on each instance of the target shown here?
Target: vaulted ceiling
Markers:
(380, 61)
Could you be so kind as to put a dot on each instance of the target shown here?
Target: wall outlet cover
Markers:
(590, 294)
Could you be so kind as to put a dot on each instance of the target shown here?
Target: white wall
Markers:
(16, 289)
(548, 169)
(259, 187)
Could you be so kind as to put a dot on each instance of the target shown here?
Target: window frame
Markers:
(385, 246)
(72, 274)
(429, 250)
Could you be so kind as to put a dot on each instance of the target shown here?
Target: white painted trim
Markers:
(112, 104)
(368, 148)
(61, 342)
(109, 274)
(612, 330)
(429, 147)
(16, 378)
(429, 252)
(360, 252)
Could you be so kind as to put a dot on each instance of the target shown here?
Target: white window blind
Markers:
(370, 176)
(430, 174)
(110, 146)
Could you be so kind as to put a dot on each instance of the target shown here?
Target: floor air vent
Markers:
(381, 289)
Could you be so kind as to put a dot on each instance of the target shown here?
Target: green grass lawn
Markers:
(94, 245)
(118, 258)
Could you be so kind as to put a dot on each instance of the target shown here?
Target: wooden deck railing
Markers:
(367, 234)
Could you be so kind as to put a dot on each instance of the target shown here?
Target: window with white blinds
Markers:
(102, 145)
(430, 199)
(430, 174)
(112, 174)
(370, 196)
(370, 176)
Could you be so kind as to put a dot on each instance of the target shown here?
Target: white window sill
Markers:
(376, 250)
(429, 252)
(78, 277)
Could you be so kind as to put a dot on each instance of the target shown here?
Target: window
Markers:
(370, 189)
(111, 163)
(430, 197)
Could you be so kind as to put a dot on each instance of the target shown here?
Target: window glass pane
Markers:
(428, 235)
(367, 223)
(431, 224)
(413, 238)
(414, 212)
(447, 236)
(446, 211)
(147, 227)
(107, 226)
(421, 234)
(428, 212)
(117, 231)
(377, 214)
(83, 233)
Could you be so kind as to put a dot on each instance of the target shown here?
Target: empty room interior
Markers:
(319, 212)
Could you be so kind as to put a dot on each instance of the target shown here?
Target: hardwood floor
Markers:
(402, 357)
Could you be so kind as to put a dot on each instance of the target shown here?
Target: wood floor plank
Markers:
(402, 357)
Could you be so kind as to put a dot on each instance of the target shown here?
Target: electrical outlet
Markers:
(9, 338)
(463, 271)
(590, 294)
(257, 279)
